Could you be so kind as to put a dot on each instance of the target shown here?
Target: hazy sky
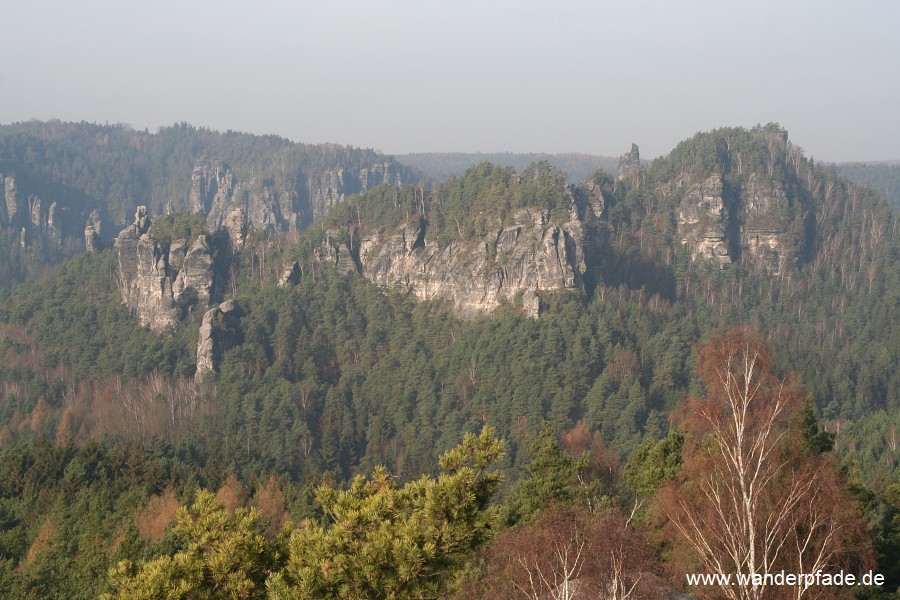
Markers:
(423, 75)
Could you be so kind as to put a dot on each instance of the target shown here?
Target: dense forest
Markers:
(356, 442)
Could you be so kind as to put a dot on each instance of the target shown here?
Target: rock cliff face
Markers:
(34, 215)
(162, 282)
(217, 193)
(702, 219)
(218, 333)
(329, 188)
(11, 201)
(764, 224)
(284, 205)
(533, 252)
(726, 225)
(29, 212)
(630, 163)
(739, 210)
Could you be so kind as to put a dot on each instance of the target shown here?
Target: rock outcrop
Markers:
(291, 275)
(725, 224)
(702, 221)
(160, 283)
(91, 239)
(217, 193)
(11, 201)
(630, 163)
(92, 231)
(531, 253)
(278, 206)
(218, 333)
(29, 209)
(330, 187)
(764, 225)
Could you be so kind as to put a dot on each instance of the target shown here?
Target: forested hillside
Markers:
(61, 178)
(734, 246)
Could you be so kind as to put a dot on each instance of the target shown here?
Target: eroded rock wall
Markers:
(219, 331)
(746, 222)
(284, 205)
(161, 283)
(533, 252)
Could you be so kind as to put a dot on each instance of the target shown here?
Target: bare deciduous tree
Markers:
(570, 554)
(749, 500)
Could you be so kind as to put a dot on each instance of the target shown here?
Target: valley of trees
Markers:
(355, 443)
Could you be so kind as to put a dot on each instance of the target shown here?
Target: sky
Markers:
(491, 75)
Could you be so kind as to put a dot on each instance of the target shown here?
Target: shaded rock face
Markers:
(236, 225)
(702, 221)
(329, 188)
(726, 225)
(216, 192)
(218, 332)
(161, 283)
(279, 206)
(594, 198)
(30, 213)
(763, 228)
(513, 264)
(291, 275)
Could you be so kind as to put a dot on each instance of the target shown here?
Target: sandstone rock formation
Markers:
(701, 220)
(725, 225)
(291, 275)
(764, 225)
(217, 193)
(91, 239)
(630, 163)
(11, 201)
(284, 205)
(160, 283)
(330, 187)
(217, 334)
(29, 213)
(92, 231)
(533, 252)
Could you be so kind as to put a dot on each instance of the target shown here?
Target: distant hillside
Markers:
(438, 166)
(883, 177)
(64, 184)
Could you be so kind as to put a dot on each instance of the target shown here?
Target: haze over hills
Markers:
(270, 319)
(438, 166)
(881, 176)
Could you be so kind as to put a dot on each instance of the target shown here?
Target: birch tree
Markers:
(749, 501)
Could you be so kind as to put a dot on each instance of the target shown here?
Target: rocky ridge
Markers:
(737, 214)
(517, 257)
(516, 261)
